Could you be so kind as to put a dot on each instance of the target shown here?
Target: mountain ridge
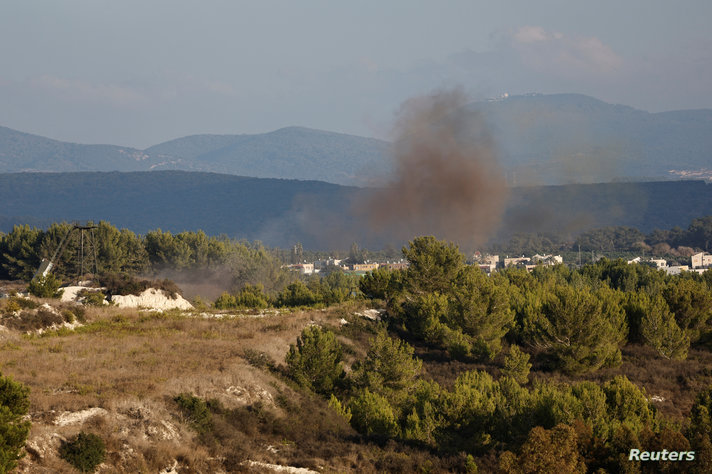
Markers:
(541, 139)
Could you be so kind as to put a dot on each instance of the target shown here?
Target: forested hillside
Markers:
(560, 138)
(317, 214)
(293, 152)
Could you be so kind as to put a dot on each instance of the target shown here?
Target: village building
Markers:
(701, 260)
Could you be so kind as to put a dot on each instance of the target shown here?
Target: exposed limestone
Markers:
(71, 293)
(372, 314)
(278, 468)
(152, 298)
(77, 417)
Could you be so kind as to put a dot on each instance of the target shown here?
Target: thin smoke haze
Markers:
(447, 180)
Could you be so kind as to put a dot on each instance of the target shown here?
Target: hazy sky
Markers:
(137, 73)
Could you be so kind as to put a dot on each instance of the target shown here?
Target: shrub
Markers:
(225, 301)
(297, 294)
(389, 369)
(93, 298)
(372, 415)
(196, 410)
(340, 408)
(80, 313)
(661, 332)
(68, 316)
(124, 284)
(14, 403)
(45, 287)
(258, 359)
(85, 452)
(516, 365)
(24, 303)
(315, 362)
(12, 306)
(252, 297)
(553, 450)
(458, 345)
(32, 321)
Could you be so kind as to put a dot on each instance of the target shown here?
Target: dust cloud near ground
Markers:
(447, 181)
(207, 283)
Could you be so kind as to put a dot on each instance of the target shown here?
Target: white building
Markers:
(676, 270)
(701, 260)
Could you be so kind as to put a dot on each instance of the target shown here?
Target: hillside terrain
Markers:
(573, 138)
(541, 139)
(294, 152)
(434, 367)
(317, 214)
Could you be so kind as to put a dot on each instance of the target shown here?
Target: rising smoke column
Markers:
(447, 180)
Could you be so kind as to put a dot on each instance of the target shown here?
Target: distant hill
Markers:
(293, 152)
(250, 208)
(561, 138)
(542, 139)
(25, 152)
(317, 214)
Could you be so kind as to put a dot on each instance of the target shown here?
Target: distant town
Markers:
(699, 263)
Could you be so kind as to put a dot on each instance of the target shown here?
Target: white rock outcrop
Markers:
(152, 298)
(77, 417)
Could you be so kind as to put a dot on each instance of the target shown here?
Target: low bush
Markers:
(45, 287)
(85, 452)
(259, 359)
(32, 321)
(124, 284)
(14, 428)
(195, 410)
(93, 298)
(23, 303)
(315, 361)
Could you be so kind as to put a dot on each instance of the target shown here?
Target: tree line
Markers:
(675, 242)
(122, 251)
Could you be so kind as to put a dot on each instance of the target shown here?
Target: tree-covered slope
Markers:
(320, 215)
(293, 152)
(26, 152)
(555, 139)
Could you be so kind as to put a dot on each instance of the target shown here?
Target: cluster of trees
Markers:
(540, 428)
(444, 302)
(314, 291)
(122, 251)
(675, 242)
(573, 321)
(255, 274)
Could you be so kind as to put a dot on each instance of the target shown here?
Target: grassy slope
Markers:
(133, 363)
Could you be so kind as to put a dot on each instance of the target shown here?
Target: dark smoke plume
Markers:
(447, 180)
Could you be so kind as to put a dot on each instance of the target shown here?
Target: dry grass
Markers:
(131, 364)
(121, 353)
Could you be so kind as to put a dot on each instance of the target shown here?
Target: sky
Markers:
(138, 73)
